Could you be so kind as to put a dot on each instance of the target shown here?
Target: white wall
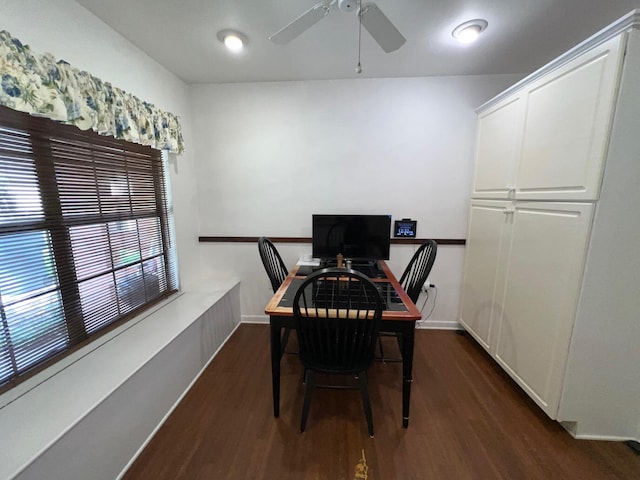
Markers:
(272, 154)
(71, 33)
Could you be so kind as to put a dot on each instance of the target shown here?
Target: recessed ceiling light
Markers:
(468, 32)
(233, 40)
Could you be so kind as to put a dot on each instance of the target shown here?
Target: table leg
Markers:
(408, 340)
(275, 363)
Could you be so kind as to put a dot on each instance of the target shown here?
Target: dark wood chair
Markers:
(273, 264)
(337, 313)
(412, 280)
(418, 269)
(276, 271)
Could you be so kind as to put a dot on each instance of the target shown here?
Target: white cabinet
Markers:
(498, 149)
(550, 282)
(522, 277)
(548, 139)
(567, 123)
(536, 307)
(488, 230)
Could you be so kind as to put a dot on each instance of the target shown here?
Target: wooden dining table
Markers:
(400, 316)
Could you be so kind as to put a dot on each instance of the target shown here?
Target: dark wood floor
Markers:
(468, 421)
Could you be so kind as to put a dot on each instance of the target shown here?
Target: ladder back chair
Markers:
(337, 314)
(412, 280)
(276, 271)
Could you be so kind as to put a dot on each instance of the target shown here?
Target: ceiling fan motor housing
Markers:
(347, 5)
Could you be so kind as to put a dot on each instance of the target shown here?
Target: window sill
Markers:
(125, 386)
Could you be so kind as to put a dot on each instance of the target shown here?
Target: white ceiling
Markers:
(522, 35)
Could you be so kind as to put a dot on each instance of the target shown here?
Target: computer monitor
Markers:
(359, 237)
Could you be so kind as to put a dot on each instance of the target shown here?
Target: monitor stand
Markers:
(368, 267)
(361, 262)
(365, 263)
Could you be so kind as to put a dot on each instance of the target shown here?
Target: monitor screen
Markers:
(354, 236)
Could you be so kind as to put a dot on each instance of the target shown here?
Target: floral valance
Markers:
(40, 85)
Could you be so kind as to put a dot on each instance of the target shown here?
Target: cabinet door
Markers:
(542, 284)
(497, 149)
(485, 238)
(567, 123)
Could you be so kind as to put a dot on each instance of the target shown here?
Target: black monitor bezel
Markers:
(321, 251)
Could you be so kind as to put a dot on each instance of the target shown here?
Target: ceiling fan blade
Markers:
(380, 28)
(300, 24)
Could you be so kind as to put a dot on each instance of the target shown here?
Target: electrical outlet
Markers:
(427, 285)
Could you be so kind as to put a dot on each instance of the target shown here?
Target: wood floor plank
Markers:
(469, 420)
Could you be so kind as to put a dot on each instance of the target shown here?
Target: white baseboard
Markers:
(571, 428)
(438, 325)
(255, 319)
(604, 438)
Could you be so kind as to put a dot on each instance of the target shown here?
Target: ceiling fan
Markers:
(377, 24)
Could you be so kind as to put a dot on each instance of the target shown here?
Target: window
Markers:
(85, 238)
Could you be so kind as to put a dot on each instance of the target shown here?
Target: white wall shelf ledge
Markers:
(92, 416)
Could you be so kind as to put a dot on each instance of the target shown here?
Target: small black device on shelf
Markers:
(405, 228)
